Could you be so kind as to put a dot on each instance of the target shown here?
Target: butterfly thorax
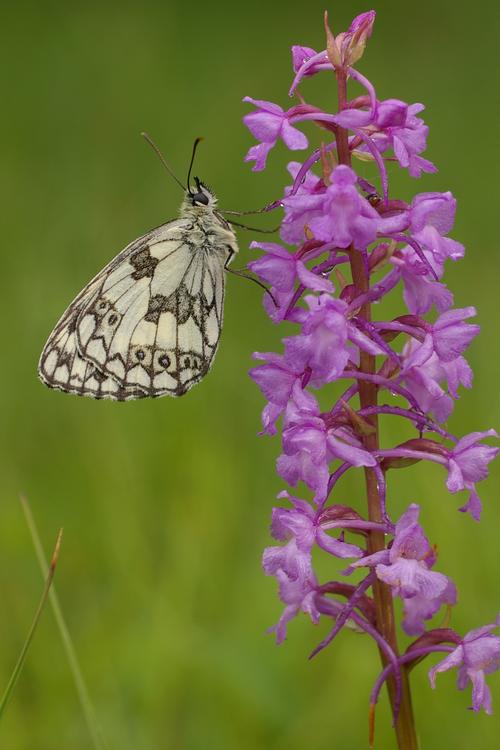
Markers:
(208, 226)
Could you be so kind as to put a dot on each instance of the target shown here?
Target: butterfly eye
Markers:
(200, 198)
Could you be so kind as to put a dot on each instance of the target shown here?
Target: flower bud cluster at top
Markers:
(336, 221)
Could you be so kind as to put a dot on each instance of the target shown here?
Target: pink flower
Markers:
(322, 345)
(451, 335)
(302, 523)
(406, 568)
(301, 55)
(467, 464)
(422, 372)
(405, 133)
(477, 656)
(346, 217)
(309, 445)
(268, 124)
(469, 460)
(301, 207)
(440, 248)
(297, 583)
(276, 380)
(433, 209)
(431, 216)
(283, 269)
(420, 291)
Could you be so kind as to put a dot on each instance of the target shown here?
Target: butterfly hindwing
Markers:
(148, 324)
(155, 323)
(62, 367)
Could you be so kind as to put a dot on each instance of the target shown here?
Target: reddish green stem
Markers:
(368, 394)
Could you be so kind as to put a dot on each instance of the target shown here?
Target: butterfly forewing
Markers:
(149, 323)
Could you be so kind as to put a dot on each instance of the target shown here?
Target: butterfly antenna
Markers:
(264, 209)
(195, 146)
(162, 159)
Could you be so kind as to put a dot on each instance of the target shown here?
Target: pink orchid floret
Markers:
(422, 373)
(309, 60)
(405, 133)
(451, 335)
(291, 564)
(433, 209)
(269, 123)
(430, 217)
(467, 464)
(477, 656)
(309, 445)
(435, 250)
(322, 346)
(421, 291)
(420, 608)
(469, 460)
(345, 49)
(303, 523)
(302, 206)
(283, 270)
(440, 248)
(297, 583)
(276, 380)
(406, 568)
(346, 217)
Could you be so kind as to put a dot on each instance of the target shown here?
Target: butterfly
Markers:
(149, 323)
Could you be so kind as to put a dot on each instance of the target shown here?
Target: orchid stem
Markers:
(368, 396)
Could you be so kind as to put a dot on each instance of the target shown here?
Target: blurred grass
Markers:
(48, 572)
(165, 504)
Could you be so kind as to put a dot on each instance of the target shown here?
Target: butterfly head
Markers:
(201, 196)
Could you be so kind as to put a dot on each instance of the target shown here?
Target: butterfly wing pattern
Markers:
(149, 323)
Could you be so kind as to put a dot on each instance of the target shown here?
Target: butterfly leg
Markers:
(244, 275)
(253, 229)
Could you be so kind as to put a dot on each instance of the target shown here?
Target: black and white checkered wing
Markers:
(148, 324)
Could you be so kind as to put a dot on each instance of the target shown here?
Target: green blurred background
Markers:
(165, 504)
